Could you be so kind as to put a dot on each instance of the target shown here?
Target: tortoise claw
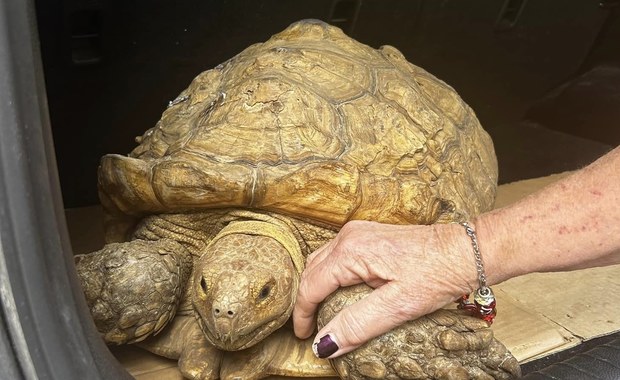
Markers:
(200, 361)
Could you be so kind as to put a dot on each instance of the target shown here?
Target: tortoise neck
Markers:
(186, 229)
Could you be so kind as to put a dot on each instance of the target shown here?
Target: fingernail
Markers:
(325, 347)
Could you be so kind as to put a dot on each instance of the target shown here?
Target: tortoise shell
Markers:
(315, 125)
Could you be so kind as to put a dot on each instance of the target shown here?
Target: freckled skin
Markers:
(242, 290)
(575, 226)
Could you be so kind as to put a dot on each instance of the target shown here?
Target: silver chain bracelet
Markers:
(484, 299)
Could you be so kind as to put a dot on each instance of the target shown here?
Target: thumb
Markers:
(377, 313)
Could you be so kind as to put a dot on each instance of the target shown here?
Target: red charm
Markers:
(483, 306)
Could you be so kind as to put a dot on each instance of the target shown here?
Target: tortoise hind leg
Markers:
(446, 344)
(133, 288)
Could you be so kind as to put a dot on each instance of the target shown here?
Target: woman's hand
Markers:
(570, 224)
(414, 270)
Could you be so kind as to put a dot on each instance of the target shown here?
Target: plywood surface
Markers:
(538, 314)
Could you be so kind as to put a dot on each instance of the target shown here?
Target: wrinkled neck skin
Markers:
(245, 285)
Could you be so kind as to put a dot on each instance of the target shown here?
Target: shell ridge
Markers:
(344, 133)
(190, 135)
(399, 107)
(373, 82)
(254, 186)
(354, 98)
(342, 51)
(150, 181)
(360, 197)
(431, 104)
(257, 163)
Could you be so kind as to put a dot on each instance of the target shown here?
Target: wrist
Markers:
(497, 248)
(483, 305)
(457, 247)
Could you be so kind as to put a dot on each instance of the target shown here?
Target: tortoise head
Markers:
(245, 284)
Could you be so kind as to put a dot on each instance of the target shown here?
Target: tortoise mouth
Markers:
(238, 339)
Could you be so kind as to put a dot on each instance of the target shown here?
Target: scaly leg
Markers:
(443, 345)
(184, 340)
(133, 288)
(280, 354)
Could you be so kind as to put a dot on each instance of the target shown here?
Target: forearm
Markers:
(571, 224)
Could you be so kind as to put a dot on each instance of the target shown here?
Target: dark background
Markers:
(542, 75)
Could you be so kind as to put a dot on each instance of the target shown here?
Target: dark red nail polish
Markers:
(325, 347)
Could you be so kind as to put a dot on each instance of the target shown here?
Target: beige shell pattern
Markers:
(316, 125)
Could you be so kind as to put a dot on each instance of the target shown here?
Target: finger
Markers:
(379, 312)
(312, 291)
(316, 284)
(304, 318)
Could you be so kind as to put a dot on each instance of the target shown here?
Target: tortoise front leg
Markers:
(133, 288)
(184, 340)
(446, 344)
(280, 354)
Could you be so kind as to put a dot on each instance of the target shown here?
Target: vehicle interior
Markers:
(83, 78)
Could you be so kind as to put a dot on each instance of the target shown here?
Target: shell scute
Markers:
(380, 135)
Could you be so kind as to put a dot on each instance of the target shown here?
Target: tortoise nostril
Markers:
(223, 311)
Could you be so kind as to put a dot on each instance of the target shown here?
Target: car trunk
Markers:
(542, 76)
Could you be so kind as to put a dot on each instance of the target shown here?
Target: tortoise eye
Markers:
(264, 293)
(203, 285)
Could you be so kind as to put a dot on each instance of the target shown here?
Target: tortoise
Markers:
(255, 165)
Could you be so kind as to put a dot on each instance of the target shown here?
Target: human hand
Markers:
(414, 270)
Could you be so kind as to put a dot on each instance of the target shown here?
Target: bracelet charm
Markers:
(483, 306)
